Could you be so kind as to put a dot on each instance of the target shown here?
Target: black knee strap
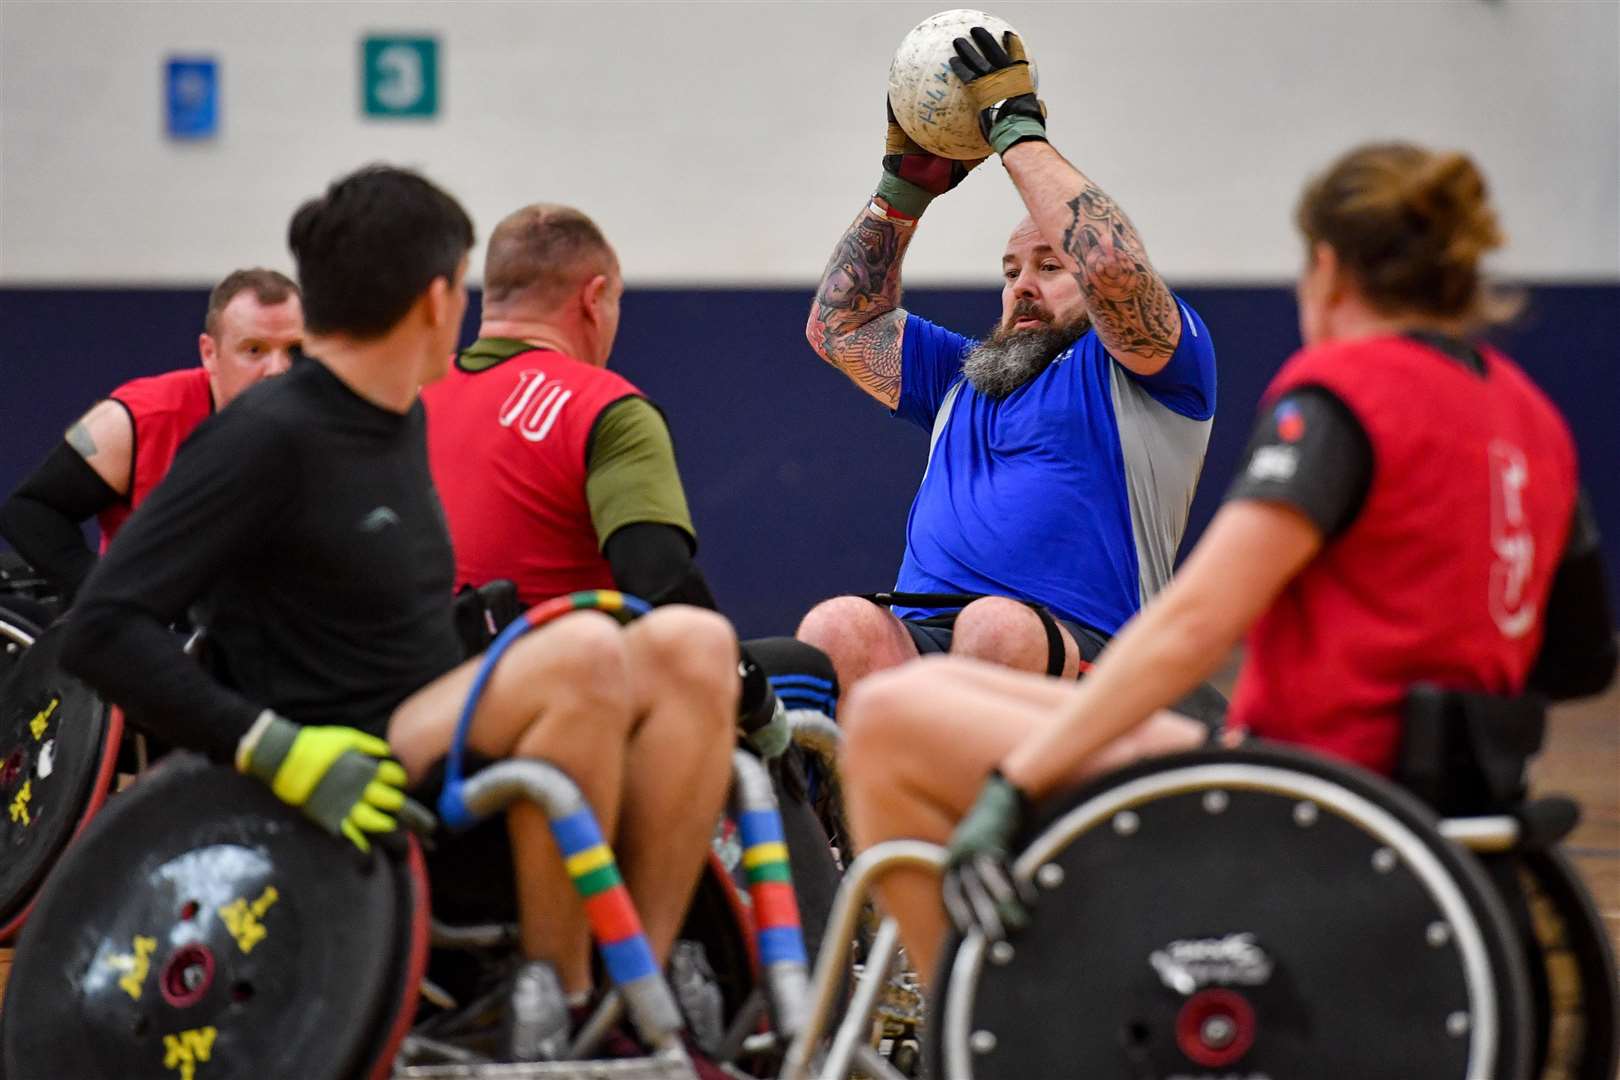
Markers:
(1049, 626)
(1054, 639)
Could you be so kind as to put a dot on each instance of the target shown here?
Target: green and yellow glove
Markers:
(339, 777)
(998, 80)
(912, 177)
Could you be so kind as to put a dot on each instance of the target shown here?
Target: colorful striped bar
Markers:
(776, 909)
(613, 919)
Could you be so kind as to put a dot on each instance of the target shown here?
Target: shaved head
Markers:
(539, 255)
(1027, 231)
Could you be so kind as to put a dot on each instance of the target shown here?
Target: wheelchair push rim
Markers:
(1246, 982)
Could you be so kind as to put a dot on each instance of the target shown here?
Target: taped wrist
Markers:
(1009, 131)
(994, 818)
(265, 746)
(903, 195)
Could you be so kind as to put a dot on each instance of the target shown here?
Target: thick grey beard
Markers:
(1007, 360)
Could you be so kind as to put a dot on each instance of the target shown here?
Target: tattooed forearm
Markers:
(78, 437)
(855, 321)
(1130, 304)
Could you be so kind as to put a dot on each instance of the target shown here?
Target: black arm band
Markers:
(654, 561)
(42, 517)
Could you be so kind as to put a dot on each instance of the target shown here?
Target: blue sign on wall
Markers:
(400, 75)
(191, 87)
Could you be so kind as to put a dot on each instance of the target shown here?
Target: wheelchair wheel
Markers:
(1582, 1034)
(58, 747)
(1240, 913)
(202, 926)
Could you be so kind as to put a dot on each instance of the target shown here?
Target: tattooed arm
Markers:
(1128, 301)
(856, 321)
(105, 437)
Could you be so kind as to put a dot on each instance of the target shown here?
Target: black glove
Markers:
(981, 892)
(912, 177)
(760, 714)
(998, 81)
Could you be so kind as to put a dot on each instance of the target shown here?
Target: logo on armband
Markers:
(1234, 960)
(1273, 463)
(1290, 422)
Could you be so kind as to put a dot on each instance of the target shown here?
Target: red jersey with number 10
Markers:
(1442, 576)
(508, 447)
(164, 410)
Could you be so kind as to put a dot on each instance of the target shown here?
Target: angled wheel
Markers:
(201, 922)
(1583, 1032)
(58, 747)
(1254, 912)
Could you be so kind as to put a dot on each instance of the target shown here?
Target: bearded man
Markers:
(1064, 448)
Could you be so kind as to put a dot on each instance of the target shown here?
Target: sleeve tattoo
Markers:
(856, 322)
(1128, 301)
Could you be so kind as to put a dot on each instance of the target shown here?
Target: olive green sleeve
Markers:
(630, 471)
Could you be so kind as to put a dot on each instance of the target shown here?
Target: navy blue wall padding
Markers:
(798, 483)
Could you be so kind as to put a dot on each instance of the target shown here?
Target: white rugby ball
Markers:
(928, 99)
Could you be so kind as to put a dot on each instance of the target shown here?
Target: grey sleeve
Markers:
(1163, 453)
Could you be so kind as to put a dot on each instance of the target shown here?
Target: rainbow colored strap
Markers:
(452, 808)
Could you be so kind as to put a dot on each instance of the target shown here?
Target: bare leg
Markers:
(562, 694)
(858, 636)
(919, 742)
(683, 675)
(1009, 632)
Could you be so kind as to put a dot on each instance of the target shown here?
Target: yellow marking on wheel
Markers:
(182, 1052)
(42, 719)
(135, 965)
(19, 804)
(242, 918)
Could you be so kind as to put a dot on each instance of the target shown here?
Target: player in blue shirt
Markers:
(1064, 448)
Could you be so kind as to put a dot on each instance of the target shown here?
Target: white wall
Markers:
(730, 143)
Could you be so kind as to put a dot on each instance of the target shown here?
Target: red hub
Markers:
(13, 767)
(1215, 1028)
(187, 976)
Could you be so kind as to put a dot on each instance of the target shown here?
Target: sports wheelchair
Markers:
(201, 927)
(1264, 912)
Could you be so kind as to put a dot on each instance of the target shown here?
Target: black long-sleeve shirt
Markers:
(304, 520)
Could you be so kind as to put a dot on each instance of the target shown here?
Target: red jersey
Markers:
(508, 447)
(1442, 576)
(164, 409)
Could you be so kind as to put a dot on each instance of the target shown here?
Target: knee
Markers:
(856, 634)
(691, 650)
(1001, 631)
(579, 658)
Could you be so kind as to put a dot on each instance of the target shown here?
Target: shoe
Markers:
(538, 1019)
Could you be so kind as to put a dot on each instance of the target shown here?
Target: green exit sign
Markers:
(400, 75)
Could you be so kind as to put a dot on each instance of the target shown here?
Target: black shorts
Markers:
(470, 873)
(932, 634)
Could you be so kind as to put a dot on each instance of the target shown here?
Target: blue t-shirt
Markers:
(1072, 491)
